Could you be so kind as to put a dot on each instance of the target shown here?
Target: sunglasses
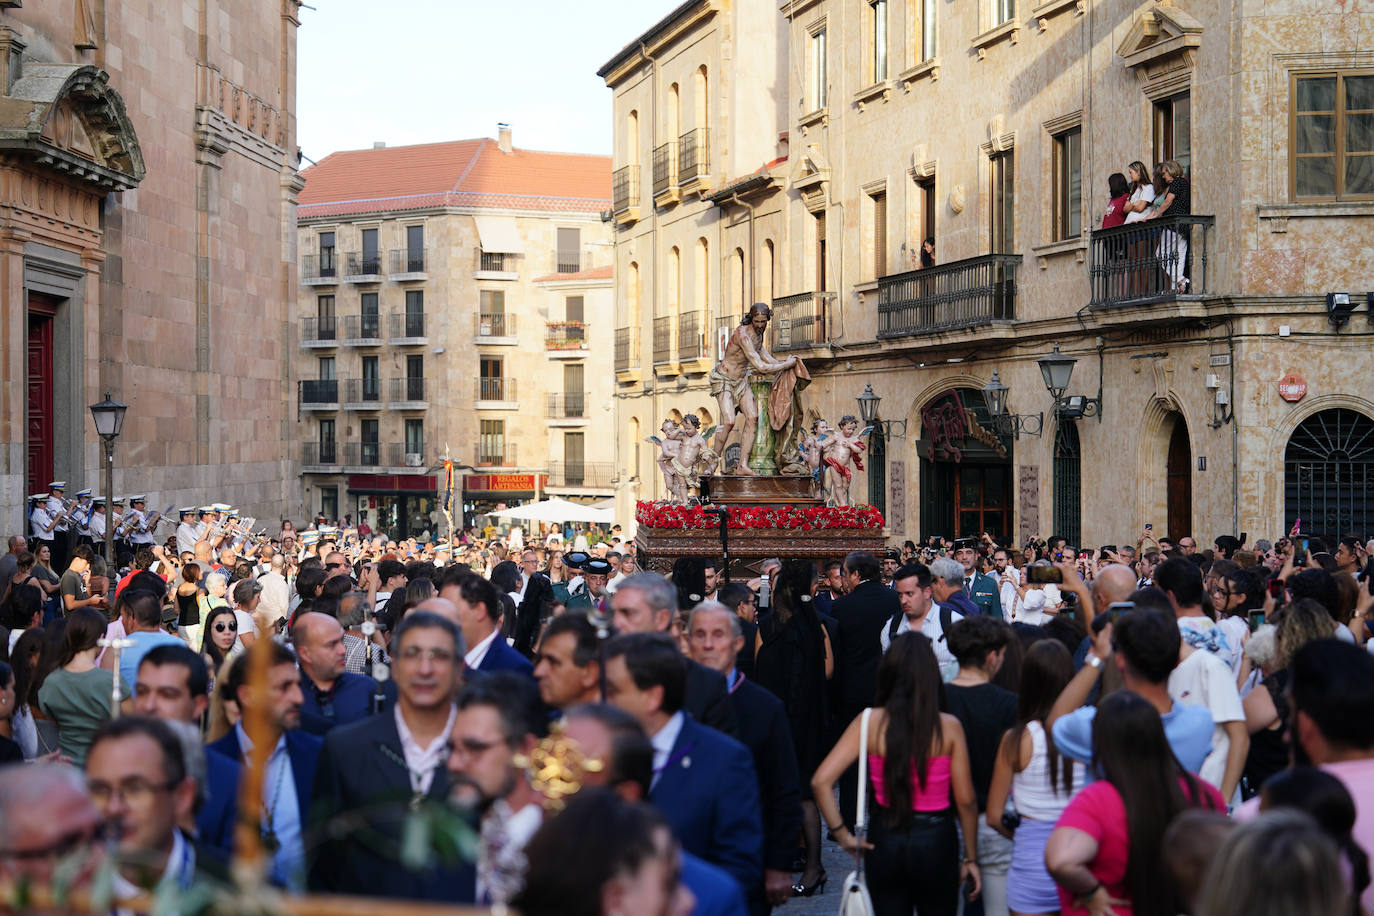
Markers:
(222, 627)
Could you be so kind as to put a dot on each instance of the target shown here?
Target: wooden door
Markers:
(1180, 474)
(40, 393)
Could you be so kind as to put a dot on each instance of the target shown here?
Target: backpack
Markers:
(946, 621)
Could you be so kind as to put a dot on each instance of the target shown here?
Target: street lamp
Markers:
(1057, 371)
(868, 412)
(1009, 424)
(109, 421)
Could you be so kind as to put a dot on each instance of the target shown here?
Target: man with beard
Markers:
(499, 717)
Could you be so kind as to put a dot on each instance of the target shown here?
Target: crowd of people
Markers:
(1150, 728)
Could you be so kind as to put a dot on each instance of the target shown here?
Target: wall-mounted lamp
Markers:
(1009, 424)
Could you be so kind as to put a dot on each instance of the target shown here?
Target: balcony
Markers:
(319, 270)
(693, 161)
(494, 453)
(961, 294)
(405, 265)
(496, 394)
(319, 394)
(625, 194)
(319, 457)
(568, 262)
(663, 342)
(691, 338)
(406, 330)
(406, 393)
(665, 174)
(362, 394)
(626, 351)
(495, 329)
(363, 267)
(565, 339)
(593, 474)
(1161, 260)
(567, 409)
(363, 454)
(318, 332)
(361, 331)
(799, 321)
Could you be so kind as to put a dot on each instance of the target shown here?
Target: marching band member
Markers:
(61, 533)
(81, 517)
(142, 534)
(42, 521)
(95, 523)
(188, 531)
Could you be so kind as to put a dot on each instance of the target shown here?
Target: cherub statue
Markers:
(670, 449)
(841, 455)
(697, 458)
(811, 448)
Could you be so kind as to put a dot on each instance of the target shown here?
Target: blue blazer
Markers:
(303, 751)
(501, 657)
(215, 822)
(716, 892)
(709, 793)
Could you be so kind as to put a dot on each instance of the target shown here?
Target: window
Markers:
(700, 295)
(415, 436)
(368, 440)
(329, 502)
(327, 267)
(879, 9)
(573, 309)
(876, 460)
(415, 249)
(1328, 472)
(326, 368)
(1068, 184)
(491, 385)
(1333, 137)
(415, 366)
(879, 233)
(325, 320)
(492, 320)
(371, 260)
(820, 94)
(928, 48)
(1067, 482)
(1174, 131)
(372, 383)
(491, 442)
(569, 251)
(926, 189)
(574, 390)
(371, 322)
(674, 297)
(1002, 200)
(1003, 11)
(574, 459)
(327, 452)
(820, 251)
(415, 313)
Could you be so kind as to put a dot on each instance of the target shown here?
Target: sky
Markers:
(421, 71)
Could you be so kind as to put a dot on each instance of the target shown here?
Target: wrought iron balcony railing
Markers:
(625, 188)
(693, 149)
(799, 321)
(1157, 260)
(626, 348)
(567, 405)
(961, 294)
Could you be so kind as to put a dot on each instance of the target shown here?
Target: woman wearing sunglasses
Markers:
(221, 637)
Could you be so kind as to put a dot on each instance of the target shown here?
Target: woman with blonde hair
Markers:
(1176, 200)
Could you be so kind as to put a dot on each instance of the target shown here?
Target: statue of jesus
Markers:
(744, 356)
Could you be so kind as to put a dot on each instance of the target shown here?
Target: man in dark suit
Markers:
(704, 781)
(287, 782)
(715, 638)
(980, 588)
(479, 613)
(374, 774)
(860, 617)
(332, 696)
(646, 603)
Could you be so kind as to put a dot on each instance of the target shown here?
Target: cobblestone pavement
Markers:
(837, 864)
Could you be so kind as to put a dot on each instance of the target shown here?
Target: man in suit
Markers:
(715, 638)
(479, 614)
(704, 781)
(375, 773)
(173, 686)
(646, 603)
(860, 617)
(287, 782)
(980, 588)
(332, 696)
(567, 665)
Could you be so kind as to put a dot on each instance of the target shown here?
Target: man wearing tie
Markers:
(980, 588)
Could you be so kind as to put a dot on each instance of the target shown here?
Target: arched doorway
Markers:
(1068, 482)
(1180, 477)
(966, 478)
(1328, 472)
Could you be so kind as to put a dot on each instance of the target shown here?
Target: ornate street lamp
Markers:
(1009, 424)
(109, 422)
(868, 412)
(1057, 371)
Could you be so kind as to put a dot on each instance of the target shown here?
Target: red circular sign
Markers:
(1292, 387)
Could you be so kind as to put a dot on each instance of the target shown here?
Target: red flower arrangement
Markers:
(815, 518)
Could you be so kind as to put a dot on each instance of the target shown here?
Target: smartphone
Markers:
(1149, 527)
(1256, 620)
(1117, 608)
(1276, 588)
(1040, 575)
(968, 888)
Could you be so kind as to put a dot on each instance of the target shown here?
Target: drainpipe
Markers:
(1235, 435)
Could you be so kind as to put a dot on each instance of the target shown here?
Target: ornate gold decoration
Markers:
(556, 768)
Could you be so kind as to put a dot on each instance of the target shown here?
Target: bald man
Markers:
(441, 606)
(34, 837)
(333, 696)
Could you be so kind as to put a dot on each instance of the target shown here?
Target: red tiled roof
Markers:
(461, 173)
(596, 273)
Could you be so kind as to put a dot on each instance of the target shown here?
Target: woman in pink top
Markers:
(1105, 851)
(917, 759)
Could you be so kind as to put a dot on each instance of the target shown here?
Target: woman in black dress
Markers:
(794, 660)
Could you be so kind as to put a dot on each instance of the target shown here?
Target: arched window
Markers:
(632, 297)
(632, 138)
(674, 280)
(1328, 474)
(632, 436)
(738, 293)
(674, 112)
(1067, 483)
(702, 287)
(766, 290)
(699, 98)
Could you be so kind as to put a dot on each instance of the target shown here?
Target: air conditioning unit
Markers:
(415, 460)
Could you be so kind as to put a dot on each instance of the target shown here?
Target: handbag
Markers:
(854, 897)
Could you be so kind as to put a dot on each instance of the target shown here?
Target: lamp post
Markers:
(1057, 370)
(868, 412)
(1009, 424)
(109, 421)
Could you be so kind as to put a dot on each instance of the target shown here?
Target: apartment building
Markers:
(454, 299)
(1231, 402)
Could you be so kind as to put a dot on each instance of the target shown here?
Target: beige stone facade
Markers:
(477, 321)
(147, 234)
(993, 127)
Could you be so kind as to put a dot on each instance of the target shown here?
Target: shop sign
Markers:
(501, 483)
(1292, 387)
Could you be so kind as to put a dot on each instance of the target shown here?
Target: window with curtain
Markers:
(1173, 131)
(1332, 142)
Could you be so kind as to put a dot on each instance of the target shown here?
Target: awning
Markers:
(557, 510)
(498, 235)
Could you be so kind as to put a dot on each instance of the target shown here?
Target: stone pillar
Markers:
(761, 459)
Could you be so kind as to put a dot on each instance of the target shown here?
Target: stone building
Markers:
(452, 296)
(1235, 402)
(147, 200)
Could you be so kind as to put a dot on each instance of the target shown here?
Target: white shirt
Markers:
(40, 519)
(423, 761)
(279, 798)
(479, 652)
(1204, 679)
(931, 629)
(663, 743)
(179, 873)
(515, 831)
(55, 507)
(1011, 601)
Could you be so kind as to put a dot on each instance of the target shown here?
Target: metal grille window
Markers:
(1067, 483)
(1328, 474)
(877, 469)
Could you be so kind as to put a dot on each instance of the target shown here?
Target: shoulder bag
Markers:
(854, 898)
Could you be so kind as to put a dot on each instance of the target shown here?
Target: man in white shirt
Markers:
(922, 615)
(186, 531)
(276, 594)
(391, 575)
(1203, 679)
(1008, 578)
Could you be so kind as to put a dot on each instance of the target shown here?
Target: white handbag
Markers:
(854, 898)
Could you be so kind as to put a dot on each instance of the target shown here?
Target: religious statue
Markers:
(841, 455)
(811, 448)
(684, 456)
(669, 451)
(746, 374)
